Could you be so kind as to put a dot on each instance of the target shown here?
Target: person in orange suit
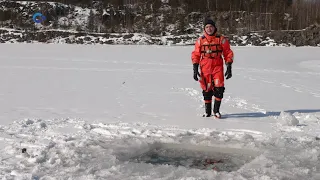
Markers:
(211, 52)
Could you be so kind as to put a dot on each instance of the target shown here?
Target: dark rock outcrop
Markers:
(80, 25)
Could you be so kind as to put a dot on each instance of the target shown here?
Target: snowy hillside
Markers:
(138, 22)
(134, 112)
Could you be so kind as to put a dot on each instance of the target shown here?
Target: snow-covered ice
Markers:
(93, 112)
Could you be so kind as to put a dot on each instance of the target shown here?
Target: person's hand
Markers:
(228, 73)
(196, 72)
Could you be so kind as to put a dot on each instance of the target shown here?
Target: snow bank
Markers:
(73, 149)
(287, 119)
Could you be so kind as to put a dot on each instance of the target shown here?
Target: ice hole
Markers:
(198, 157)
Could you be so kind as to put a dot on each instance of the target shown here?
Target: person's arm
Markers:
(227, 52)
(228, 56)
(195, 57)
(196, 53)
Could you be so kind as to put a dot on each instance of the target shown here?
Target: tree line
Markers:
(234, 15)
(262, 14)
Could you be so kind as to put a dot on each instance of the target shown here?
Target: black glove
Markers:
(228, 73)
(196, 72)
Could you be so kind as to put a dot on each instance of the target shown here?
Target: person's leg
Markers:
(207, 91)
(207, 96)
(218, 90)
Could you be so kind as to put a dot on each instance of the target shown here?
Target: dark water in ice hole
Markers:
(218, 159)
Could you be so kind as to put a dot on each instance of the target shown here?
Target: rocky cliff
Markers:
(100, 23)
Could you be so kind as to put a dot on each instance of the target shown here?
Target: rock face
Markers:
(104, 24)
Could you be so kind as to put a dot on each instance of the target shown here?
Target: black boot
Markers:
(208, 107)
(216, 108)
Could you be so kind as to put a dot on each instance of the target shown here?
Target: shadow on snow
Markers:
(271, 113)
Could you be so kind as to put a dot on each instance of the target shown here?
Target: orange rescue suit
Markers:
(208, 52)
